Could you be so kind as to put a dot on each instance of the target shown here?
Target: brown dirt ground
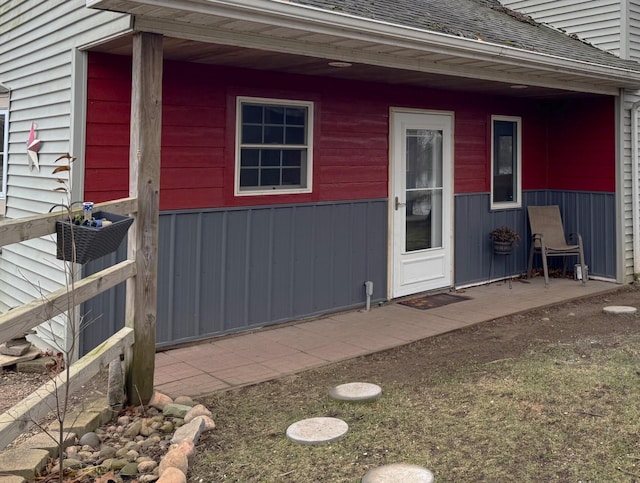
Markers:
(510, 336)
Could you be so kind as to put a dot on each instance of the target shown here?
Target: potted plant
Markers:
(504, 238)
(90, 235)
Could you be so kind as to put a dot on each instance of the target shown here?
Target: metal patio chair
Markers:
(548, 239)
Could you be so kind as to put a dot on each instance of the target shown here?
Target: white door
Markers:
(421, 198)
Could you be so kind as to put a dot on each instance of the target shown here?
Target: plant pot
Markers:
(91, 242)
(502, 247)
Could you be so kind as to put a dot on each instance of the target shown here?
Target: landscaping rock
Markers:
(176, 410)
(159, 400)
(115, 386)
(197, 410)
(184, 400)
(172, 475)
(175, 458)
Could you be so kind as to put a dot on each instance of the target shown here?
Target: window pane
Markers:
(291, 157)
(251, 114)
(249, 157)
(251, 134)
(295, 135)
(270, 177)
(249, 177)
(424, 158)
(291, 176)
(273, 135)
(274, 115)
(270, 157)
(505, 161)
(296, 116)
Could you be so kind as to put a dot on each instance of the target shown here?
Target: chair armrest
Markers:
(578, 236)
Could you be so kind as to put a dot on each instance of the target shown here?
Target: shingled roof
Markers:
(481, 20)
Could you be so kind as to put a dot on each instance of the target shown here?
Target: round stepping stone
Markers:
(620, 309)
(398, 472)
(356, 391)
(317, 430)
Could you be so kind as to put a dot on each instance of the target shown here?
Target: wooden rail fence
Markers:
(17, 321)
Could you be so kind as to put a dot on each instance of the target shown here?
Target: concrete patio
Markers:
(261, 355)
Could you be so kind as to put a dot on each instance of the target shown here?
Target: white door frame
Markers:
(441, 259)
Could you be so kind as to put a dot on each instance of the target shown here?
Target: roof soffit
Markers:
(284, 27)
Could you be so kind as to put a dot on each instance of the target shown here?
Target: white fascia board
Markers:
(282, 13)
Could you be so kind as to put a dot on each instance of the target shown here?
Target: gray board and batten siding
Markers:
(227, 270)
(592, 214)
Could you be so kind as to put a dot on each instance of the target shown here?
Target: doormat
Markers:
(432, 301)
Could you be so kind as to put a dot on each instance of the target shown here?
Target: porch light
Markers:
(340, 64)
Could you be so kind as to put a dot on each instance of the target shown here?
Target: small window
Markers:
(506, 178)
(273, 146)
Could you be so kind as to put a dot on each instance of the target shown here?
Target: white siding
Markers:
(39, 41)
(628, 230)
(634, 30)
(595, 21)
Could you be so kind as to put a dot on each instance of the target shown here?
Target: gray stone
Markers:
(398, 472)
(317, 430)
(356, 391)
(147, 466)
(189, 432)
(15, 350)
(107, 451)
(184, 400)
(35, 365)
(23, 462)
(115, 386)
(133, 429)
(47, 442)
(130, 469)
(15, 361)
(12, 479)
(79, 423)
(90, 439)
(176, 410)
(619, 310)
(101, 405)
(118, 464)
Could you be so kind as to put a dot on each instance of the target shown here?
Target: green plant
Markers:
(504, 234)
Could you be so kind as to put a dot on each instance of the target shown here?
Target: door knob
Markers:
(398, 204)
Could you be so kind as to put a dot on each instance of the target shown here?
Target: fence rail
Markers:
(19, 320)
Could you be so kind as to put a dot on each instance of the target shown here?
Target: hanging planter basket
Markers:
(91, 242)
(502, 247)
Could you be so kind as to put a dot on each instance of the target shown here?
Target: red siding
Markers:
(582, 146)
(350, 137)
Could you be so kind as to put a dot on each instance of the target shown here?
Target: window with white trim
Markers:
(506, 162)
(274, 146)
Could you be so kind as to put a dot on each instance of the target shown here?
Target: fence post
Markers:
(144, 183)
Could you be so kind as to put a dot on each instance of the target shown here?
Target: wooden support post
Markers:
(144, 183)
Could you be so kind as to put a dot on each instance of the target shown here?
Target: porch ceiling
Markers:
(285, 37)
